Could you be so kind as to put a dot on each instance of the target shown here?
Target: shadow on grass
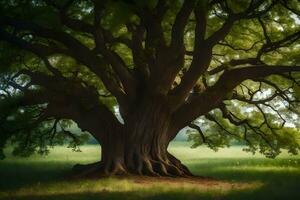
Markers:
(281, 183)
(248, 170)
(116, 196)
(18, 175)
(280, 178)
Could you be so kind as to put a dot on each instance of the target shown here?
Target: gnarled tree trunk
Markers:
(138, 147)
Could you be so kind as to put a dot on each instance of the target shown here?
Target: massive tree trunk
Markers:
(138, 147)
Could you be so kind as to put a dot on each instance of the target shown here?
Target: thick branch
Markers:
(214, 95)
(117, 63)
(201, 57)
(75, 48)
(180, 23)
(70, 100)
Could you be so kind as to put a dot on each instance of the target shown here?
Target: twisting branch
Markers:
(155, 43)
(272, 46)
(286, 5)
(71, 135)
(116, 62)
(226, 44)
(227, 82)
(180, 23)
(74, 48)
(201, 56)
(197, 128)
(248, 127)
(140, 59)
(202, 53)
(213, 119)
(233, 63)
(267, 47)
(74, 24)
(102, 38)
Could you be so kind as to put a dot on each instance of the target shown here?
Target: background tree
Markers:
(160, 64)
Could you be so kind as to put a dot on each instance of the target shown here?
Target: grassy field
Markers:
(236, 175)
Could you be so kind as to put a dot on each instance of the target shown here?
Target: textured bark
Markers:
(141, 159)
(140, 147)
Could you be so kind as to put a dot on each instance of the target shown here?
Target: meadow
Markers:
(228, 174)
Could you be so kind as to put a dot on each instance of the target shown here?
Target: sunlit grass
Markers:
(236, 175)
(124, 185)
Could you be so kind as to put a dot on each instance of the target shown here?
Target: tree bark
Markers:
(139, 147)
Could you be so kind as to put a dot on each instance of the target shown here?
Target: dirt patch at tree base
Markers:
(206, 183)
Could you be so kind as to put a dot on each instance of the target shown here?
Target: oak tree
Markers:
(226, 68)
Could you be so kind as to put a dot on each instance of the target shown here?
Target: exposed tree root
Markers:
(170, 167)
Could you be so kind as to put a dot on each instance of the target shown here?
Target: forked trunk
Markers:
(140, 147)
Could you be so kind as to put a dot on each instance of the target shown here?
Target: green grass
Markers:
(239, 175)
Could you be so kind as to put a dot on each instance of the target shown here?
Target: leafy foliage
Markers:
(77, 55)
